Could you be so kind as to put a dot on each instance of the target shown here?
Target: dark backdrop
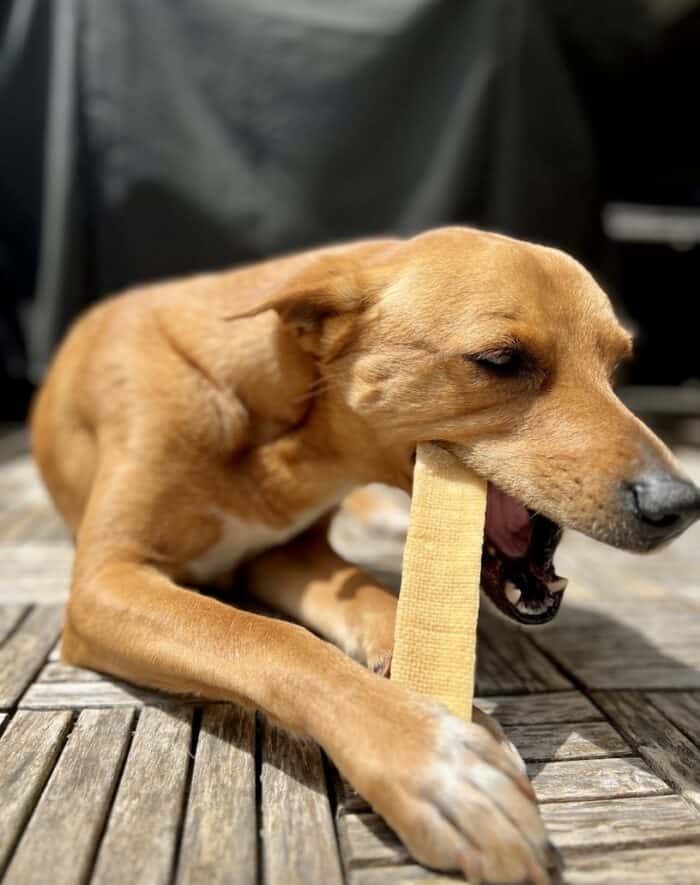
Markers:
(151, 139)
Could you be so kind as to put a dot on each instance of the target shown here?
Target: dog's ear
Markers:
(307, 296)
(323, 286)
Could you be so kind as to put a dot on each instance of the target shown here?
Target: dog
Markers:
(201, 431)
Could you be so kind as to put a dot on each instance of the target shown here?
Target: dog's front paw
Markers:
(459, 800)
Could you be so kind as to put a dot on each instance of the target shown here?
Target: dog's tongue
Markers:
(507, 523)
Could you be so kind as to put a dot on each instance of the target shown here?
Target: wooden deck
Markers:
(101, 782)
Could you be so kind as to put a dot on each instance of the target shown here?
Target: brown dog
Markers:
(190, 427)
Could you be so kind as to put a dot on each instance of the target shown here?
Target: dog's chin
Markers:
(517, 566)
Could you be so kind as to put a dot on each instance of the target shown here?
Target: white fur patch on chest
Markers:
(241, 540)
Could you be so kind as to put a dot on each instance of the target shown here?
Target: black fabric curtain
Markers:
(177, 135)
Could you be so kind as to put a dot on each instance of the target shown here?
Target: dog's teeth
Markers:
(558, 586)
(512, 593)
(528, 609)
(491, 550)
(532, 608)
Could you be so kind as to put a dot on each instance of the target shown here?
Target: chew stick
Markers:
(435, 639)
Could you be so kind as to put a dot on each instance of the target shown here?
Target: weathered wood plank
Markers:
(608, 654)
(56, 533)
(12, 511)
(667, 750)
(583, 740)
(28, 750)
(89, 693)
(63, 831)
(594, 779)
(491, 677)
(55, 671)
(24, 652)
(642, 637)
(31, 522)
(565, 706)
(638, 674)
(43, 526)
(399, 875)
(35, 572)
(140, 839)
(10, 616)
(682, 708)
(299, 844)
(653, 866)
(219, 843)
(621, 823)
(20, 483)
(365, 840)
(617, 662)
(511, 662)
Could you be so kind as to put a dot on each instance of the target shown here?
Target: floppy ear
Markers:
(323, 287)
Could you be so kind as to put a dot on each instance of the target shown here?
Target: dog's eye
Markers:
(501, 361)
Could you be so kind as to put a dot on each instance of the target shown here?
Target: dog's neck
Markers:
(308, 447)
(318, 463)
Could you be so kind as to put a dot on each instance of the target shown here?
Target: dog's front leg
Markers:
(448, 788)
(307, 581)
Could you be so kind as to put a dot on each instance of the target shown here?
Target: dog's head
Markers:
(504, 352)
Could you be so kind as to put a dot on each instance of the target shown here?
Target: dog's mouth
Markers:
(517, 568)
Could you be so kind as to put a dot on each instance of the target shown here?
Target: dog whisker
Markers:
(318, 386)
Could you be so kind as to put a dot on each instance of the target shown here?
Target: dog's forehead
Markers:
(468, 277)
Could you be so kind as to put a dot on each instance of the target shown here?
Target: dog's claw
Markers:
(382, 666)
(470, 868)
(554, 857)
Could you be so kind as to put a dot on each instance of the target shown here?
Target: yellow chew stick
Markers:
(435, 639)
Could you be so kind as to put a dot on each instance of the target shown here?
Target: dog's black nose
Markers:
(665, 505)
